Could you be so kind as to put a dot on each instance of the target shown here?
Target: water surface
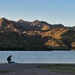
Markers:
(39, 56)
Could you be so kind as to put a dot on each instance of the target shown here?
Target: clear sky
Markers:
(51, 11)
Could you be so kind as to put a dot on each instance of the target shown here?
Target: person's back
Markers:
(9, 59)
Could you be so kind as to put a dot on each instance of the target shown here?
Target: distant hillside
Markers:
(36, 35)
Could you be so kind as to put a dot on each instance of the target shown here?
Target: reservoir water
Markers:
(39, 56)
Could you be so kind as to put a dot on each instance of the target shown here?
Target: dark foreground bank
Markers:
(36, 69)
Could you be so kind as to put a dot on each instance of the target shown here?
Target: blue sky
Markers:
(51, 11)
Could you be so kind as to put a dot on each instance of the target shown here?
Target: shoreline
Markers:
(30, 69)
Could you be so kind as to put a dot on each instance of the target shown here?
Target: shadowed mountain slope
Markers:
(36, 35)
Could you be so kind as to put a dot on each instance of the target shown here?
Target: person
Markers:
(9, 59)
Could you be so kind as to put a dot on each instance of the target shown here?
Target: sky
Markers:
(51, 11)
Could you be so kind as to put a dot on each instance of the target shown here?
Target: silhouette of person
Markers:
(9, 59)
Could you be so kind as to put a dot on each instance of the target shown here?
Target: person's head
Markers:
(10, 56)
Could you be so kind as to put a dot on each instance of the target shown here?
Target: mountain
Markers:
(36, 35)
(22, 25)
(72, 28)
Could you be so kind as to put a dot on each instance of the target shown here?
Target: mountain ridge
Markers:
(36, 35)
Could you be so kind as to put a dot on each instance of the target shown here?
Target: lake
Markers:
(38, 56)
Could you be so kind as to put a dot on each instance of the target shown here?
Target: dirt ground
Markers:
(28, 69)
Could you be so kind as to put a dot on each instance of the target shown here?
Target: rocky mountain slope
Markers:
(36, 35)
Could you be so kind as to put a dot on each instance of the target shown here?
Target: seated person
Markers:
(9, 59)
